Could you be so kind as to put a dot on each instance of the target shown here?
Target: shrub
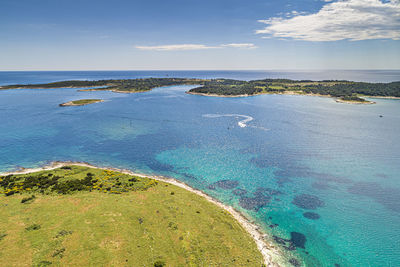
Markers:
(63, 233)
(58, 252)
(33, 227)
(159, 263)
(66, 168)
(44, 263)
(2, 236)
(28, 199)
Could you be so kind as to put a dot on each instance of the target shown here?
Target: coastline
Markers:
(338, 100)
(266, 247)
(96, 88)
(113, 90)
(298, 93)
(384, 97)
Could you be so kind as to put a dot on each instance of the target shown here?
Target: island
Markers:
(81, 102)
(341, 90)
(81, 215)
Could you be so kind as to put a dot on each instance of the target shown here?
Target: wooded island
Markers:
(346, 91)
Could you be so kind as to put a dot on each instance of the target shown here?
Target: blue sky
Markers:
(207, 34)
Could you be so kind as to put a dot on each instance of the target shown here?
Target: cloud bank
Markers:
(248, 46)
(180, 47)
(353, 20)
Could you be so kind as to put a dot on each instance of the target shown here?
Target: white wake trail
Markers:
(241, 123)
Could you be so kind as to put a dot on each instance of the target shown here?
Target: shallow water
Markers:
(290, 155)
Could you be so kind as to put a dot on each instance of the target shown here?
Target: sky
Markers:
(199, 35)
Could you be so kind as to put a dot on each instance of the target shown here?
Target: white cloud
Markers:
(176, 47)
(181, 47)
(244, 45)
(344, 19)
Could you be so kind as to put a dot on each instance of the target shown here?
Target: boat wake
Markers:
(242, 123)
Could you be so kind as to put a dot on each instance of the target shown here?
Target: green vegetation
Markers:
(74, 221)
(70, 179)
(352, 98)
(340, 89)
(126, 86)
(81, 102)
(229, 87)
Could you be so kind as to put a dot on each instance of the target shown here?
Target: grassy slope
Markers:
(135, 228)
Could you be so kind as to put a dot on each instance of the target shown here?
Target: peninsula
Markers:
(78, 214)
(81, 102)
(341, 90)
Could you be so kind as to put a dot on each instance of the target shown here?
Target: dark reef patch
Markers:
(388, 197)
(280, 240)
(298, 239)
(261, 197)
(267, 191)
(309, 202)
(254, 203)
(239, 192)
(224, 184)
(311, 215)
(294, 262)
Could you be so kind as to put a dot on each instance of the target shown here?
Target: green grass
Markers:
(144, 225)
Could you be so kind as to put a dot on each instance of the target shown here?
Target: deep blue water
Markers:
(297, 158)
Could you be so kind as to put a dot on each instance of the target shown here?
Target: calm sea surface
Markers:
(323, 174)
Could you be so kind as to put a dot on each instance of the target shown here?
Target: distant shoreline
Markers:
(338, 100)
(342, 91)
(269, 251)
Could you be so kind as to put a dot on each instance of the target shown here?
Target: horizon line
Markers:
(42, 70)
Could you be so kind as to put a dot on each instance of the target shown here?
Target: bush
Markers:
(33, 227)
(44, 263)
(159, 263)
(58, 252)
(66, 168)
(63, 233)
(28, 199)
(2, 236)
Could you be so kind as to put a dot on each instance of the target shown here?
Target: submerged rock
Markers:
(280, 240)
(239, 192)
(254, 203)
(311, 215)
(309, 202)
(267, 191)
(294, 262)
(224, 184)
(298, 239)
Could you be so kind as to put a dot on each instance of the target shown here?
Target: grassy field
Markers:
(114, 219)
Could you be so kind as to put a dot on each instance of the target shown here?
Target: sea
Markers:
(320, 178)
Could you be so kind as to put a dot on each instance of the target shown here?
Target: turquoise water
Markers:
(324, 173)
